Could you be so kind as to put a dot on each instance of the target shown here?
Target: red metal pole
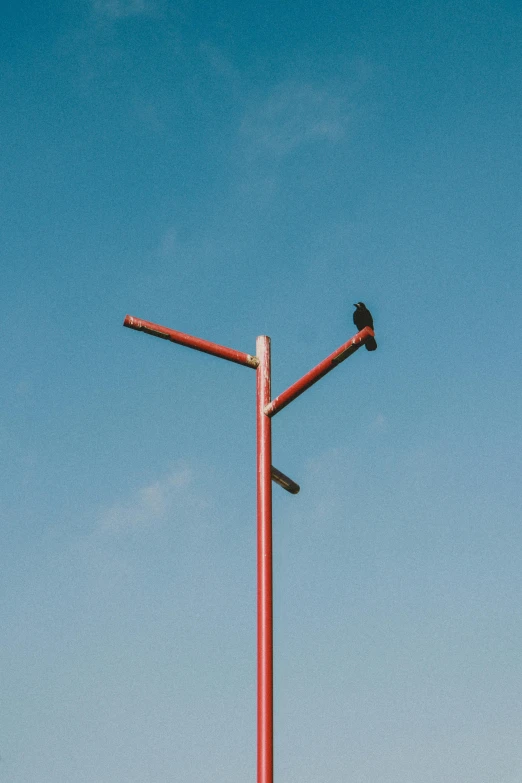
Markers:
(265, 753)
(304, 383)
(191, 342)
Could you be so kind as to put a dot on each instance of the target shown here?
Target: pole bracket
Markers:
(284, 481)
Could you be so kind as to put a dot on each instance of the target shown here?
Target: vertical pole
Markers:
(264, 568)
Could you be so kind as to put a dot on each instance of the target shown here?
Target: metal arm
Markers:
(328, 364)
(191, 342)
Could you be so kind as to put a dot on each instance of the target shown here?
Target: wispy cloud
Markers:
(218, 62)
(107, 554)
(148, 503)
(295, 114)
(120, 9)
(379, 423)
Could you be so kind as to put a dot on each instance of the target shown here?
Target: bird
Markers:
(362, 318)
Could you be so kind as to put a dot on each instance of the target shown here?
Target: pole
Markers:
(264, 567)
(265, 409)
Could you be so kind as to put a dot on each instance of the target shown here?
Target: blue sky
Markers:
(232, 170)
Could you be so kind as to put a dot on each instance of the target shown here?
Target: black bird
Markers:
(361, 318)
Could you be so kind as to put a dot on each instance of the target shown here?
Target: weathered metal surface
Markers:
(191, 342)
(265, 738)
(284, 481)
(324, 367)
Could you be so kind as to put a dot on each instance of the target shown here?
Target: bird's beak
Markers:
(354, 304)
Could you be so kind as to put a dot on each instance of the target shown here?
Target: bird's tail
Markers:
(370, 344)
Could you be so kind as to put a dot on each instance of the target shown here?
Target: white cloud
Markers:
(295, 114)
(148, 503)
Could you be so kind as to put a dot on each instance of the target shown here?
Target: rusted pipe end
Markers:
(131, 322)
